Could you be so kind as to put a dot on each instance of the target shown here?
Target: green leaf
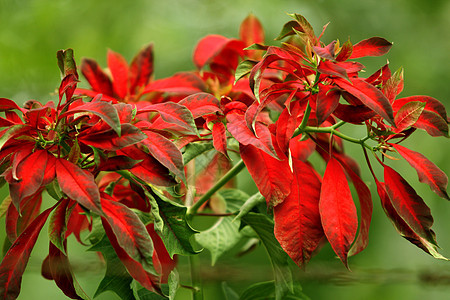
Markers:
(171, 225)
(116, 277)
(264, 227)
(12, 130)
(58, 225)
(243, 69)
(193, 150)
(66, 62)
(141, 293)
(54, 190)
(174, 283)
(251, 202)
(5, 205)
(224, 234)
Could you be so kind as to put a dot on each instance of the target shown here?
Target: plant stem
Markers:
(197, 293)
(227, 177)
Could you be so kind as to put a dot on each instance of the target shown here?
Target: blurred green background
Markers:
(390, 268)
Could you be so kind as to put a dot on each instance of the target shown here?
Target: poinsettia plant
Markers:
(131, 161)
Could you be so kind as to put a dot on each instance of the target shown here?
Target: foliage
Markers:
(120, 160)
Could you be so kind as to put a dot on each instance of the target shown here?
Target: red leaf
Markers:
(173, 113)
(7, 104)
(401, 226)
(369, 96)
(58, 224)
(408, 115)
(78, 185)
(30, 174)
(297, 220)
(141, 68)
(355, 114)
(427, 171)
(15, 261)
(110, 141)
(220, 138)
(301, 150)
(286, 124)
(409, 205)
(105, 110)
(133, 267)
(118, 67)
(366, 207)
(61, 271)
(345, 52)
(165, 152)
(162, 257)
(332, 69)
(251, 32)
(180, 83)
(154, 172)
(337, 210)
(99, 81)
(326, 52)
(201, 104)
(68, 86)
(273, 177)
(327, 101)
(238, 128)
(207, 48)
(131, 234)
(374, 46)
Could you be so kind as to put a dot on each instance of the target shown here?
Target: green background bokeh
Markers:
(390, 268)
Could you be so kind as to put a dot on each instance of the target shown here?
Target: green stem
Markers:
(227, 177)
(194, 264)
(304, 122)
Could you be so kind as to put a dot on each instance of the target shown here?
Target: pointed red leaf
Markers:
(141, 68)
(408, 204)
(7, 104)
(327, 101)
(297, 219)
(152, 171)
(161, 256)
(105, 110)
(400, 225)
(110, 141)
(286, 124)
(15, 261)
(345, 52)
(118, 67)
(333, 69)
(133, 267)
(78, 185)
(130, 232)
(207, 48)
(220, 137)
(68, 86)
(238, 128)
(408, 115)
(355, 114)
(273, 177)
(326, 52)
(337, 210)
(181, 83)
(173, 113)
(99, 81)
(369, 96)
(30, 174)
(201, 104)
(61, 272)
(366, 208)
(301, 150)
(165, 152)
(427, 171)
(375, 46)
(251, 31)
(58, 225)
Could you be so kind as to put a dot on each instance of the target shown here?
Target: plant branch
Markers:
(227, 177)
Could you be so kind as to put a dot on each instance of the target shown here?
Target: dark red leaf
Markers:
(154, 172)
(297, 219)
(173, 113)
(105, 110)
(181, 83)
(110, 141)
(131, 234)
(118, 67)
(120, 162)
(58, 225)
(68, 86)
(369, 96)
(99, 81)
(345, 52)
(375, 46)
(78, 185)
(337, 210)
(133, 267)
(326, 52)
(327, 101)
(6, 104)
(409, 205)
(15, 261)
(165, 152)
(427, 171)
(161, 256)
(201, 104)
(141, 68)
(220, 137)
(333, 69)
(273, 177)
(355, 114)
